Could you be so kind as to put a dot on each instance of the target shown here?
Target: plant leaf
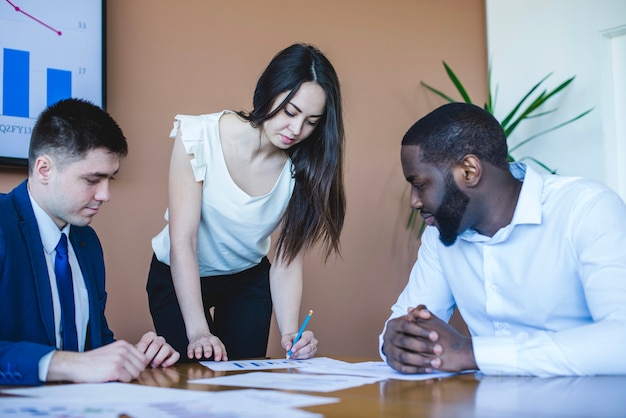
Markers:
(567, 122)
(509, 123)
(539, 101)
(439, 93)
(505, 122)
(489, 104)
(536, 115)
(457, 83)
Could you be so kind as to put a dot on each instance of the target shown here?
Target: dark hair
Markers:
(455, 130)
(70, 128)
(317, 207)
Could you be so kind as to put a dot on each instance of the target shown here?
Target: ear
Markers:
(468, 171)
(42, 169)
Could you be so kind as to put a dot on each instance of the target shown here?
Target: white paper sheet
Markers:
(206, 408)
(378, 369)
(109, 392)
(110, 400)
(20, 407)
(274, 397)
(268, 364)
(290, 381)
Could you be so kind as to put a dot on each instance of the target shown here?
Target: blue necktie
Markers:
(63, 274)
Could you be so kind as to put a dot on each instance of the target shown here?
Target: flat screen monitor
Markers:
(49, 50)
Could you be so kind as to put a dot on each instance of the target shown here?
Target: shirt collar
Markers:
(527, 210)
(48, 230)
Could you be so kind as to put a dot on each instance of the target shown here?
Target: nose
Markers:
(296, 126)
(103, 194)
(416, 202)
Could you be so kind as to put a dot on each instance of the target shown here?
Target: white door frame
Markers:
(614, 107)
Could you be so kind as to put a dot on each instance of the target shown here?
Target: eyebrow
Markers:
(98, 174)
(299, 110)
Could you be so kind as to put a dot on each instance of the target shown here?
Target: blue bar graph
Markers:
(16, 84)
(15, 91)
(58, 85)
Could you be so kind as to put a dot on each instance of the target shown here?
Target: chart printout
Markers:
(49, 50)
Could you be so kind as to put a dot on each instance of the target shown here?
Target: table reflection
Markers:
(477, 395)
(587, 396)
(466, 395)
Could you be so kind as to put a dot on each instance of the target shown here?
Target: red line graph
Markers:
(17, 9)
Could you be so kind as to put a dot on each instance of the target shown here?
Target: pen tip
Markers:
(311, 312)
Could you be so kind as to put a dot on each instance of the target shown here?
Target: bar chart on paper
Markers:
(49, 50)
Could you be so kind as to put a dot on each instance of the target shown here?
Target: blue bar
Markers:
(15, 93)
(59, 85)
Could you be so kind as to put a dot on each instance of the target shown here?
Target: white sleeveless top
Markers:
(235, 228)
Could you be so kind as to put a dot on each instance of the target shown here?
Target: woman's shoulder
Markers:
(206, 118)
(191, 126)
(233, 127)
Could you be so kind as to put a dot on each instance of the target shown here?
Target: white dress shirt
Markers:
(546, 295)
(50, 235)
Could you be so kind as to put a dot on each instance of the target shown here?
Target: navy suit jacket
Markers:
(27, 330)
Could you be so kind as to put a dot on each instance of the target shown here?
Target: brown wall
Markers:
(200, 56)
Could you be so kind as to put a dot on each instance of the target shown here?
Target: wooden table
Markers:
(467, 395)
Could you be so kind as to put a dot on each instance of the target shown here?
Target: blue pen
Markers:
(295, 340)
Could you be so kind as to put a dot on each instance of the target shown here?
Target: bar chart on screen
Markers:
(49, 50)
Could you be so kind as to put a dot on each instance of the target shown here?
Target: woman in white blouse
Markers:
(235, 178)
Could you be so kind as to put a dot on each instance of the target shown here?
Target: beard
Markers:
(450, 212)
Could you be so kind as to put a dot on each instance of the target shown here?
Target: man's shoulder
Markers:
(8, 197)
(5, 201)
(577, 198)
(559, 187)
(5, 198)
(8, 206)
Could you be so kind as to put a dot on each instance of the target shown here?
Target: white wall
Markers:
(528, 39)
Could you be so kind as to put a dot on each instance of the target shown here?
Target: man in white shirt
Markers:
(535, 265)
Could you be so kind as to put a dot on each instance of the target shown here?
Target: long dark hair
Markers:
(317, 207)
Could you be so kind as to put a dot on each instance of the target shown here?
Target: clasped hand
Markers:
(420, 342)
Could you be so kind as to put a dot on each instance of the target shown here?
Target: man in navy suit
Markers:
(75, 150)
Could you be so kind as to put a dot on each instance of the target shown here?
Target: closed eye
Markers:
(95, 180)
(310, 122)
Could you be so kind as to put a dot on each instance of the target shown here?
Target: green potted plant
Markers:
(530, 106)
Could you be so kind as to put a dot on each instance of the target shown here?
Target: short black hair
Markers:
(70, 128)
(454, 130)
